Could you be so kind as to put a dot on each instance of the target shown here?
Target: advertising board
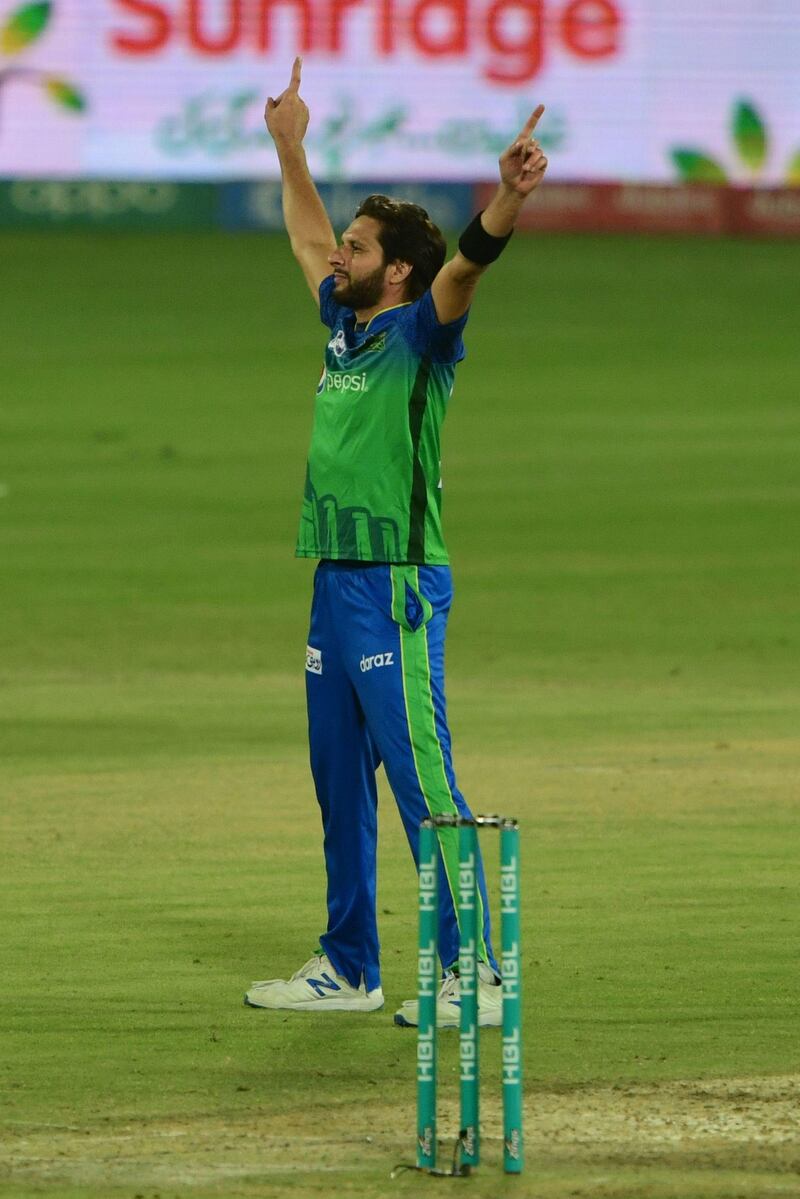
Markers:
(636, 90)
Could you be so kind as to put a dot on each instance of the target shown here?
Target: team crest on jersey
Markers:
(374, 344)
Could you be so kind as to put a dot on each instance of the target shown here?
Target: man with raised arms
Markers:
(371, 514)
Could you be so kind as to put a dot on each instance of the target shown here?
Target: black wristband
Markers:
(479, 246)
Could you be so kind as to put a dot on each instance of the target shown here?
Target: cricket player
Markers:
(395, 312)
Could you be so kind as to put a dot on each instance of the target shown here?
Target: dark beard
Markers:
(363, 293)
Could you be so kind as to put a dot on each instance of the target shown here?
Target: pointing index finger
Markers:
(532, 121)
(294, 82)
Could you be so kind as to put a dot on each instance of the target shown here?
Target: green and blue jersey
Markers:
(373, 482)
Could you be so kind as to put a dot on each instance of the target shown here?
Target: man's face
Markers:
(359, 266)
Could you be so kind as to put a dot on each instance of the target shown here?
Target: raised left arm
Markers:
(522, 168)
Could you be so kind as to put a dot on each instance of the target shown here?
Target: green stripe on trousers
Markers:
(421, 720)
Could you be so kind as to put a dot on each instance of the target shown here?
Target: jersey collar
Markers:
(391, 308)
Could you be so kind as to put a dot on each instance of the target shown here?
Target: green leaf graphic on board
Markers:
(793, 170)
(24, 26)
(750, 135)
(65, 94)
(695, 167)
(385, 125)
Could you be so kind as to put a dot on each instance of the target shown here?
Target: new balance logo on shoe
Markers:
(315, 987)
(321, 985)
(386, 659)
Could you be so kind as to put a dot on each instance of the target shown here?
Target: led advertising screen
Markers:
(704, 90)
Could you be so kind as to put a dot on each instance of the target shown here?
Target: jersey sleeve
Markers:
(328, 308)
(427, 335)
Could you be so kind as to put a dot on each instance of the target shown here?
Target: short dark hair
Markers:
(407, 234)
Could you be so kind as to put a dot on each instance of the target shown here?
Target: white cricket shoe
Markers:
(315, 987)
(448, 1002)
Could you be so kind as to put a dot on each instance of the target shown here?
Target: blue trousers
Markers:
(375, 690)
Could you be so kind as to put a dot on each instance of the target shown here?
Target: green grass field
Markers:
(622, 501)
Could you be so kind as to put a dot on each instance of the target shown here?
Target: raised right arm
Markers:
(310, 231)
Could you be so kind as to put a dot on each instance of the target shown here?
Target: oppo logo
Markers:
(55, 198)
(513, 37)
